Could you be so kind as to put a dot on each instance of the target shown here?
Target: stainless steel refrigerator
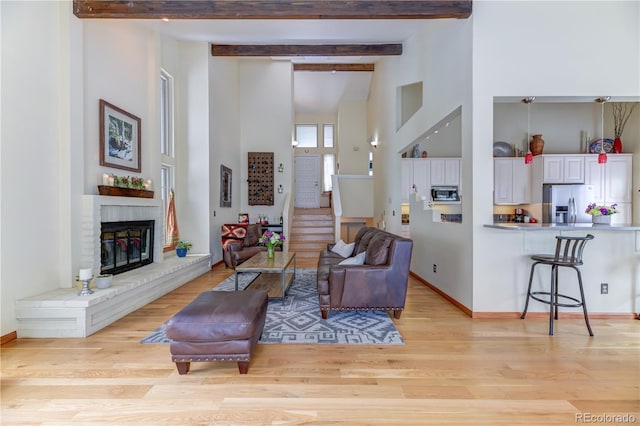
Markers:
(558, 199)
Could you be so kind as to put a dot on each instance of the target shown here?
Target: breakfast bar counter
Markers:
(511, 226)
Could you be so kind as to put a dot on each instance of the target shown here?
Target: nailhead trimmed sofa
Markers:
(379, 284)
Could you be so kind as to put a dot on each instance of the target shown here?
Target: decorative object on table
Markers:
(601, 215)
(84, 276)
(120, 138)
(243, 217)
(600, 144)
(424, 154)
(602, 155)
(104, 280)
(271, 240)
(502, 149)
(225, 186)
(172, 233)
(416, 151)
(528, 157)
(621, 113)
(536, 145)
(183, 247)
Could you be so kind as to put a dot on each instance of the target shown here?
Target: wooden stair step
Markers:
(311, 230)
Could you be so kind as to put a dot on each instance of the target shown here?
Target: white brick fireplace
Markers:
(102, 208)
(64, 313)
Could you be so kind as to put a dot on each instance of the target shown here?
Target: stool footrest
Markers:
(577, 303)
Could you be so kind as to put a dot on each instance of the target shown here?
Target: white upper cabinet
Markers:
(511, 181)
(562, 168)
(617, 178)
(414, 171)
(445, 171)
(609, 182)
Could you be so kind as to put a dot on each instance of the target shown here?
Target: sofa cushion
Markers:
(253, 235)
(355, 260)
(364, 241)
(343, 249)
(378, 250)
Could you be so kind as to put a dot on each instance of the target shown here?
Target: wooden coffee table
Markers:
(275, 275)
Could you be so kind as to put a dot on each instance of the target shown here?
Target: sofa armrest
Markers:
(233, 246)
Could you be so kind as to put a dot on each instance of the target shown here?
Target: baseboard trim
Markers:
(9, 337)
(515, 315)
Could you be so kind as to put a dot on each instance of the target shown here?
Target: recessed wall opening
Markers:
(408, 102)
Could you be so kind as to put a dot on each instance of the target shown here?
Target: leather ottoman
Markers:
(218, 326)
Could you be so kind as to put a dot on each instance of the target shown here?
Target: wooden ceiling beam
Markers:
(306, 49)
(272, 9)
(334, 67)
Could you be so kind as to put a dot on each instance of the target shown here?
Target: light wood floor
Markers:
(452, 370)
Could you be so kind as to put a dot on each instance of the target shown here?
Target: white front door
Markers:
(307, 181)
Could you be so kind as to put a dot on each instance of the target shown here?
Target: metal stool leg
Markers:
(526, 305)
(584, 305)
(553, 297)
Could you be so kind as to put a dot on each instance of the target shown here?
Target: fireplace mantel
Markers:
(104, 208)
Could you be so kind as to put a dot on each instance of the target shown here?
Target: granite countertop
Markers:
(561, 226)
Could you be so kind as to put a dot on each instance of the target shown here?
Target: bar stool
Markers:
(568, 254)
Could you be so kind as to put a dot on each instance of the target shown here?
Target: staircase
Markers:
(311, 230)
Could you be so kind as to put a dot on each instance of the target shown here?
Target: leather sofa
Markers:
(240, 242)
(378, 284)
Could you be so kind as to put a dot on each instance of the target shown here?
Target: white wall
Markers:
(440, 56)
(192, 146)
(557, 58)
(224, 130)
(34, 134)
(353, 155)
(266, 122)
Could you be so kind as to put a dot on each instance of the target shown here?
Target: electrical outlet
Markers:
(435, 268)
(604, 288)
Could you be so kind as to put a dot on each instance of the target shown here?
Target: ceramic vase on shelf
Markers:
(536, 145)
(601, 220)
(617, 145)
(270, 252)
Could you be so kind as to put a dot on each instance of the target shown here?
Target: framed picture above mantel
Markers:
(120, 138)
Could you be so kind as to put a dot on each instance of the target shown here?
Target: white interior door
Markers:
(307, 181)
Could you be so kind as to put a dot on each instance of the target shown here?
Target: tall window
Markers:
(167, 150)
(307, 135)
(329, 169)
(328, 135)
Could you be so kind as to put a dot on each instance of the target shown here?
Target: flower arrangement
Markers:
(271, 239)
(595, 210)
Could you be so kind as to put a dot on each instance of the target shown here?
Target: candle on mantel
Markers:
(85, 274)
(105, 179)
(111, 181)
(147, 184)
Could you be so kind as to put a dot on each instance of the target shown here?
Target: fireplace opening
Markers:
(125, 245)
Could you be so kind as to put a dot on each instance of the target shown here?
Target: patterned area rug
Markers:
(299, 320)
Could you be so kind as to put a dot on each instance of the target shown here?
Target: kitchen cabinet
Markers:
(562, 168)
(445, 171)
(511, 181)
(414, 171)
(611, 183)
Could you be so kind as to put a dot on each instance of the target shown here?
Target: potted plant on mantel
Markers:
(183, 247)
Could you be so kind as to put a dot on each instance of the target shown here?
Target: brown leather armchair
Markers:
(240, 242)
(379, 284)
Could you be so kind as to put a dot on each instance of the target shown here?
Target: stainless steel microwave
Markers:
(444, 194)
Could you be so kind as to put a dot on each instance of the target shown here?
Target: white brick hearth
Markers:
(62, 313)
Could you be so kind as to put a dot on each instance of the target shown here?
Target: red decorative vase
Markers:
(617, 146)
